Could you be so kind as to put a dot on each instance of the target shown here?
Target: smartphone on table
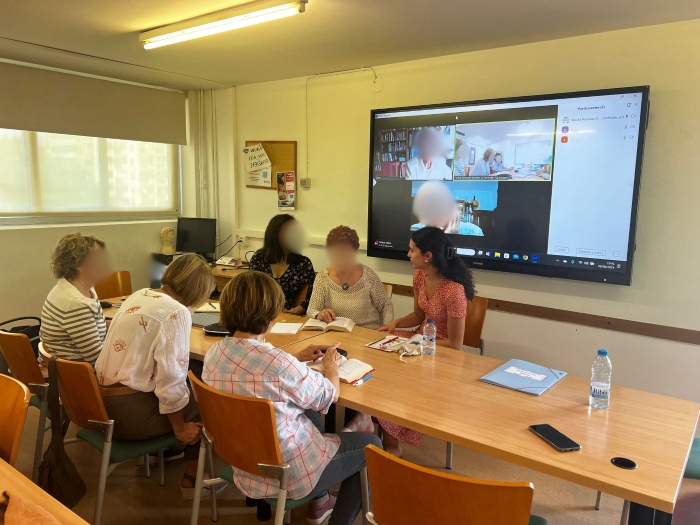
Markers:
(555, 438)
(340, 351)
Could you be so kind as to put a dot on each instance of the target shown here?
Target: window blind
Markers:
(35, 99)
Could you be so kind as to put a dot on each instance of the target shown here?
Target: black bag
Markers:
(57, 473)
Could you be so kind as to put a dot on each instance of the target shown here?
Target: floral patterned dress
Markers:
(292, 280)
(448, 300)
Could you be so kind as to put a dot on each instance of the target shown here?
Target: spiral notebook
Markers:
(524, 377)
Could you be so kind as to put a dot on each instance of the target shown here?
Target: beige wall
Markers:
(665, 283)
(26, 279)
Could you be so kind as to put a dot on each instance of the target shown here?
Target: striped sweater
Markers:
(72, 325)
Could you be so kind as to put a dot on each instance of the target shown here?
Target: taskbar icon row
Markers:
(503, 255)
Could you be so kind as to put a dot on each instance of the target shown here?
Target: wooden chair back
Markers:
(79, 393)
(19, 356)
(13, 411)
(119, 283)
(474, 322)
(389, 289)
(301, 296)
(406, 493)
(243, 430)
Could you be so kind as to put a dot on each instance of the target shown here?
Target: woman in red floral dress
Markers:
(442, 285)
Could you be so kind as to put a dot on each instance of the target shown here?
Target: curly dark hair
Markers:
(70, 252)
(343, 235)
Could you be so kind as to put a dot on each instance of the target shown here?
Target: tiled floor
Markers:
(132, 499)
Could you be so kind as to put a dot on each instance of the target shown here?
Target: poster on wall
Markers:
(256, 158)
(286, 190)
(258, 166)
(261, 178)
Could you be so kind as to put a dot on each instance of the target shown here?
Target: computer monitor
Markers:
(196, 235)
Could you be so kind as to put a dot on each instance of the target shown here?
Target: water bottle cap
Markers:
(430, 321)
(602, 351)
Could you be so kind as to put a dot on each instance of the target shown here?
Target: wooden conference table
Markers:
(442, 396)
(14, 482)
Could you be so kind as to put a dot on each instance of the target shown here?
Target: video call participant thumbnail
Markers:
(430, 162)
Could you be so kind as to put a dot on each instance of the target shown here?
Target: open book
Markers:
(341, 324)
(349, 370)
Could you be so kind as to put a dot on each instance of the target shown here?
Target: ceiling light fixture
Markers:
(235, 18)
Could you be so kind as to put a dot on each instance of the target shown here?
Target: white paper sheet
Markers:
(286, 328)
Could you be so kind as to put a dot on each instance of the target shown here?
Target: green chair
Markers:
(289, 504)
(80, 395)
(692, 469)
(255, 450)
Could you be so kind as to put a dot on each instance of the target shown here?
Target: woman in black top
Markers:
(279, 258)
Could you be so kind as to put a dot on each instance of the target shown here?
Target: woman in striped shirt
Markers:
(72, 323)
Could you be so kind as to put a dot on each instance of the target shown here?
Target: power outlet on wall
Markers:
(305, 182)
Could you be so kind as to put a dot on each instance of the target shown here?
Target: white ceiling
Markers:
(101, 36)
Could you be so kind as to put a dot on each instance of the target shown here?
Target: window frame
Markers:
(30, 218)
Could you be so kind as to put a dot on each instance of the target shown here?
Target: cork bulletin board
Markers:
(282, 155)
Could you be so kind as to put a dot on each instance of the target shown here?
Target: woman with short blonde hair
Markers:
(245, 365)
(142, 370)
(72, 323)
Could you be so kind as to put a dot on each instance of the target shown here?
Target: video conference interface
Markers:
(535, 182)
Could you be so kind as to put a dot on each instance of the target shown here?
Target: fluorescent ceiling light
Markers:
(245, 15)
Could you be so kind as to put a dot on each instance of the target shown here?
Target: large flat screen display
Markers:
(544, 185)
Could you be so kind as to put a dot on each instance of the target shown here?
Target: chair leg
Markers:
(194, 518)
(212, 488)
(102, 483)
(364, 484)
(39, 446)
(279, 510)
(625, 512)
(448, 456)
(161, 468)
(597, 500)
(288, 517)
(147, 464)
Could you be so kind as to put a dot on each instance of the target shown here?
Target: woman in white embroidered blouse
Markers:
(347, 288)
(142, 369)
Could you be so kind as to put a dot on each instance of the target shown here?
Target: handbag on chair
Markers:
(57, 473)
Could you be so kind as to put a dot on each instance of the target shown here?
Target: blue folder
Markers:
(524, 377)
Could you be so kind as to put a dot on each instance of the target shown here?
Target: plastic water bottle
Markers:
(429, 337)
(601, 375)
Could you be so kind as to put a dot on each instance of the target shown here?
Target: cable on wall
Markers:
(377, 86)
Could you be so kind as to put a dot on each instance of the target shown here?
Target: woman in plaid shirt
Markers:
(245, 365)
